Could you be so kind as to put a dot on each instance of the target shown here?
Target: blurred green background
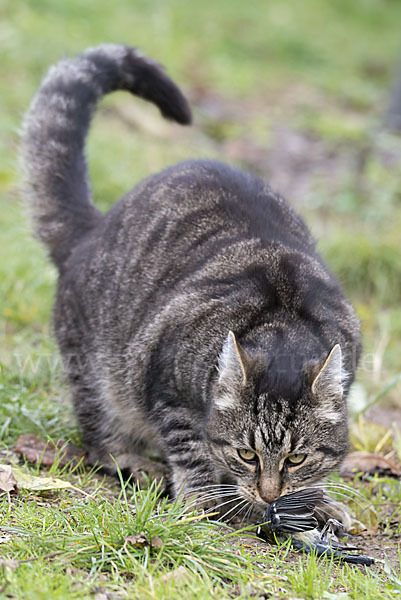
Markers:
(294, 91)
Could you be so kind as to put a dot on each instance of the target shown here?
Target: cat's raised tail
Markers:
(56, 126)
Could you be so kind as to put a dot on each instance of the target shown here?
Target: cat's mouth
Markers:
(258, 504)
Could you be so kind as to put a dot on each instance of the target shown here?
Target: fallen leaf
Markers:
(369, 464)
(156, 542)
(7, 479)
(31, 482)
(36, 450)
(139, 541)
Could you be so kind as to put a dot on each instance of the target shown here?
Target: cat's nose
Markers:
(269, 498)
(269, 487)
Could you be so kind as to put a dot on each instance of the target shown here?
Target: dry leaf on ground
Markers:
(31, 482)
(7, 479)
(156, 542)
(139, 541)
(370, 464)
(36, 450)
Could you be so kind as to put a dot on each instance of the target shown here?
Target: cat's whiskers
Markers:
(215, 485)
(224, 503)
(357, 502)
(248, 513)
(213, 494)
(215, 490)
(345, 492)
(341, 486)
(334, 484)
(217, 495)
(199, 500)
(240, 503)
(211, 489)
(345, 496)
(243, 507)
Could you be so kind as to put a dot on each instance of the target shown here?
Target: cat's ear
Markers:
(233, 363)
(329, 380)
(327, 385)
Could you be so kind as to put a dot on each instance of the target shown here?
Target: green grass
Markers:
(93, 533)
(321, 69)
(67, 545)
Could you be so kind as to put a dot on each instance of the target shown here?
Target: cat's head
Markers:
(271, 439)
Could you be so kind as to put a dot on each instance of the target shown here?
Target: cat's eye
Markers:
(247, 455)
(295, 459)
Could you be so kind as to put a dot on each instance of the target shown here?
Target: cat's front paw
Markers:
(139, 469)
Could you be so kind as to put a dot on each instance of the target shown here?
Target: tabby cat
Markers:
(196, 316)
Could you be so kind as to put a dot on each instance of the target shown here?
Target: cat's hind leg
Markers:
(110, 444)
(115, 450)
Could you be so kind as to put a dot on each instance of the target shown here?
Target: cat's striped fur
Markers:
(149, 293)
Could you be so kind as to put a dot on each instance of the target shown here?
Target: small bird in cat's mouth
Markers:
(195, 318)
(294, 517)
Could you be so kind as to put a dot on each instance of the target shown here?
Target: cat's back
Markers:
(199, 238)
(197, 206)
(198, 229)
